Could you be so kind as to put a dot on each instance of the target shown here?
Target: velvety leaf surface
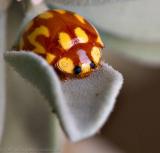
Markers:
(82, 105)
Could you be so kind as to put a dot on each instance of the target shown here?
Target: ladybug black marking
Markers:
(92, 65)
(77, 70)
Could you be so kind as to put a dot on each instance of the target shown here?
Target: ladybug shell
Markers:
(66, 40)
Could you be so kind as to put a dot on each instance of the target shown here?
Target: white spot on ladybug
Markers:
(83, 56)
(85, 61)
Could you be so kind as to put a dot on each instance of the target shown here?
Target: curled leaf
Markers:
(82, 105)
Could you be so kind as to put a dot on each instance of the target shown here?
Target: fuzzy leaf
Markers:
(82, 105)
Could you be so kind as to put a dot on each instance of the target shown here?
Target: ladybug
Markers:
(69, 43)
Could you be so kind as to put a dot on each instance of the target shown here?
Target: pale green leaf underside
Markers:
(82, 105)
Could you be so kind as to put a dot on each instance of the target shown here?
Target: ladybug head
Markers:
(80, 60)
(81, 53)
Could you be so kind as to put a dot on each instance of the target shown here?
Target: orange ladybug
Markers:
(66, 40)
